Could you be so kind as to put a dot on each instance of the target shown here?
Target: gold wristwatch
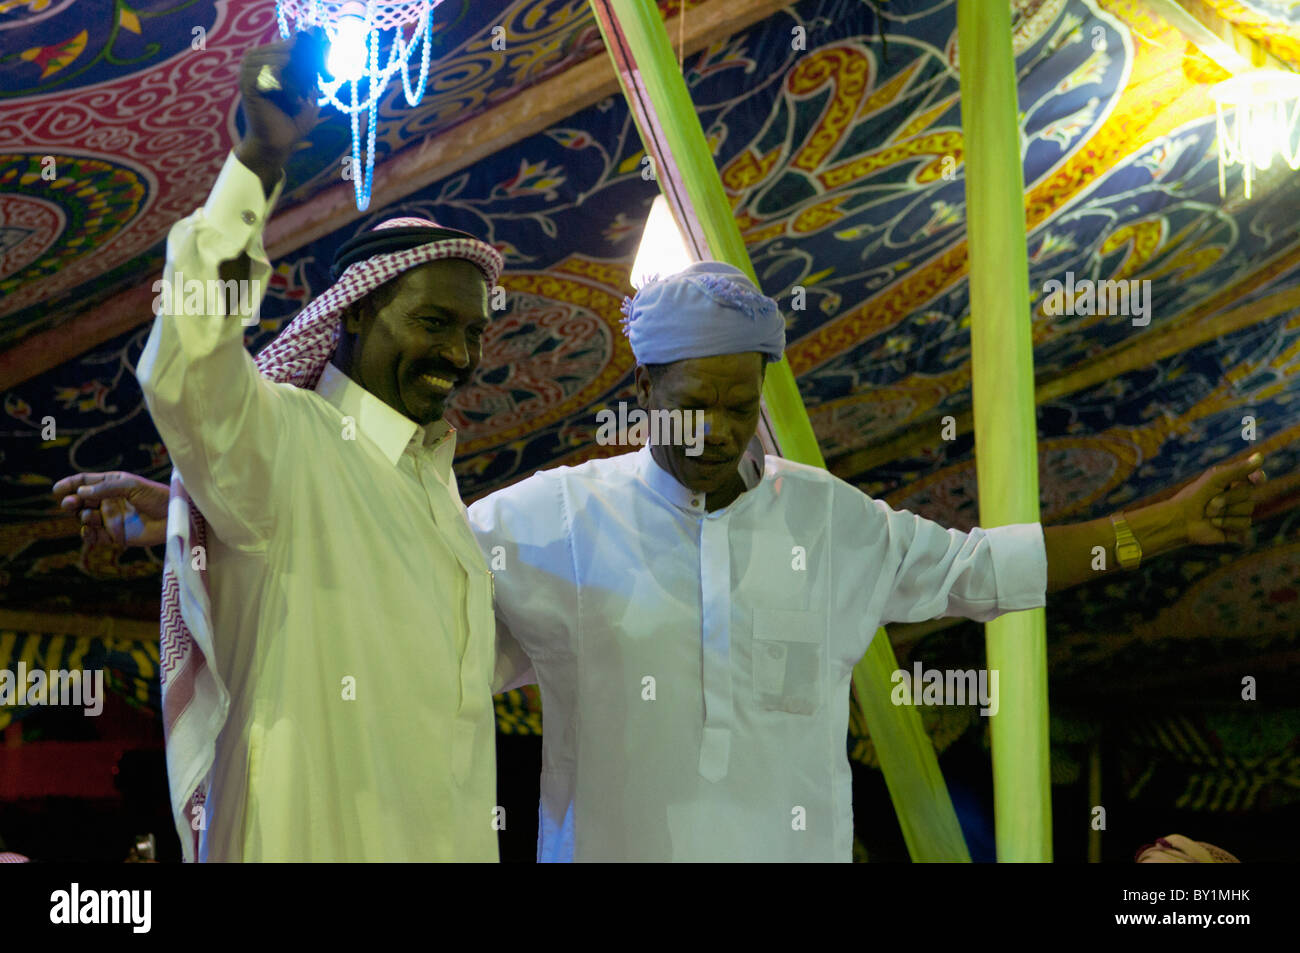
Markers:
(1127, 549)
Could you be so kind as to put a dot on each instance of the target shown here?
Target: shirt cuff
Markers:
(1019, 565)
(238, 208)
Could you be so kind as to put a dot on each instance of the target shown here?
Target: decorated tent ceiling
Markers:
(841, 151)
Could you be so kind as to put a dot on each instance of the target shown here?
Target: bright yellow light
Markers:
(663, 248)
(1265, 108)
(1262, 135)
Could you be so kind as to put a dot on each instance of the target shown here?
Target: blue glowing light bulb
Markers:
(348, 53)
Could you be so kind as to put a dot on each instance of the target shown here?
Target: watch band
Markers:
(1127, 549)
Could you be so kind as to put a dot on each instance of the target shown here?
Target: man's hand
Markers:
(278, 119)
(1213, 509)
(116, 508)
(1217, 506)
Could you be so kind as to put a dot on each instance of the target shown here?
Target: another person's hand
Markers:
(116, 508)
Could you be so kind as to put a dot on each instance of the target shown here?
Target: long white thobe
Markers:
(351, 606)
(695, 666)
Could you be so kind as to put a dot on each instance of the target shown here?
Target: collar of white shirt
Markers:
(383, 426)
(752, 466)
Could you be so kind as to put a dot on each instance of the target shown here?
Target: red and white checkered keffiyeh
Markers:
(194, 697)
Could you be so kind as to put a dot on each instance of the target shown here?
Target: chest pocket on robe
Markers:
(776, 571)
(787, 655)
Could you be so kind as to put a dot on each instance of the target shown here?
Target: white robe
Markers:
(695, 666)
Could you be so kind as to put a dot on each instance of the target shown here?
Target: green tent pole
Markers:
(1006, 436)
(643, 56)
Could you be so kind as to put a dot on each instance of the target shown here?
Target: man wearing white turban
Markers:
(693, 619)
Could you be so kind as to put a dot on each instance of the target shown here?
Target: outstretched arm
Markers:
(929, 572)
(1216, 508)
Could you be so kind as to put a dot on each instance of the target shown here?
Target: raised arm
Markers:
(220, 420)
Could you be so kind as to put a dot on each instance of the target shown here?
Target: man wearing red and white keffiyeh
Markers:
(317, 703)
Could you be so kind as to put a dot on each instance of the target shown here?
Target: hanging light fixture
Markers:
(663, 250)
(1265, 124)
(356, 30)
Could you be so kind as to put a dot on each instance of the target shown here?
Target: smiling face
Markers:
(417, 338)
(726, 388)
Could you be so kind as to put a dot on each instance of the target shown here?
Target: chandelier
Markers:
(356, 30)
(1266, 119)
